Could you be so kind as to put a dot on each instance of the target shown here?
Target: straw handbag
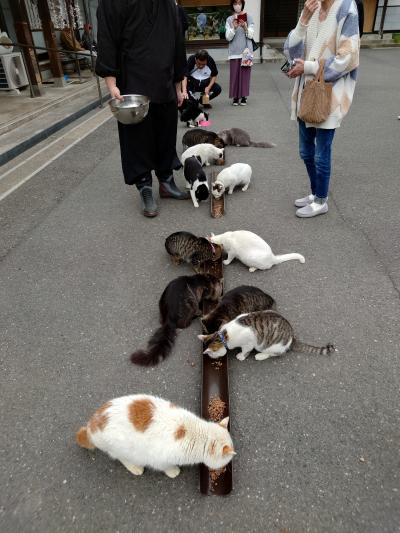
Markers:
(315, 104)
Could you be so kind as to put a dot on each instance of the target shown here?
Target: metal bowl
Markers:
(132, 110)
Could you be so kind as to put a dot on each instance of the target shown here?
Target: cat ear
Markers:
(228, 450)
(202, 337)
(207, 352)
(224, 422)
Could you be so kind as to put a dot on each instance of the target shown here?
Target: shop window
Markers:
(206, 19)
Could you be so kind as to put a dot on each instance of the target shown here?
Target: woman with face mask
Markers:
(239, 30)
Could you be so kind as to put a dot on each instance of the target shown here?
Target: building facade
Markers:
(38, 23)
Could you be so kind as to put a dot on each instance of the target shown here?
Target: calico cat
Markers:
(242, 299)
(179, 305)
(145, 431)
(200, 136)
(196, 180)
(238, 137)
(184, 246)
(237, 175)
(268, 332)
(251, 250)
(208, 153)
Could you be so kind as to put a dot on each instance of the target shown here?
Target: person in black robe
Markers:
(140, 50)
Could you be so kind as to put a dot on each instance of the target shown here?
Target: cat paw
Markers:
(173, 471)
(135, 470)
(226, 262)
(230, 192)
(252, 269)
(240, 357)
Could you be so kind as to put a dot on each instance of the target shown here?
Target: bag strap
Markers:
(320, 74)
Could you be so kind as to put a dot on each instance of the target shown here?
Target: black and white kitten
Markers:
(192, 114)
(196, 179)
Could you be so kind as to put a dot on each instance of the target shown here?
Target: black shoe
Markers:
(243, 101)
(148, 203)
(235, 101)
(168, 189)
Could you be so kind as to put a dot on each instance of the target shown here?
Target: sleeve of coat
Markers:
(180, 52)
(109, 29)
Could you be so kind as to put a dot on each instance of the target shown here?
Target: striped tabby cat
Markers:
(184, 246)
(242, 299)
(268, 332)
(200, 136)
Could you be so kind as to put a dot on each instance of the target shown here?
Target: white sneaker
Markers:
(312, 210)
(301, 202)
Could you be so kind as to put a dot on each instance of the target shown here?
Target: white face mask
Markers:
(237, 8)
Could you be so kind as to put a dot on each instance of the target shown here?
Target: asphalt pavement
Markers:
(317, 438)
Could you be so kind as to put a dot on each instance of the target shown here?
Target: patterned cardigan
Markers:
(337, 40)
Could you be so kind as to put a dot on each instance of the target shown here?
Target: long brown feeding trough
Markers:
(215, 399)
(217, 204)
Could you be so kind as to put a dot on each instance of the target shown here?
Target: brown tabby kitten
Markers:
(184, 246)
(242, 299)
(268, 332)
(238, 137)
(200, 136)
(179, 306)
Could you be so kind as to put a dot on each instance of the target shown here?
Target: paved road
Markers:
(81, 273)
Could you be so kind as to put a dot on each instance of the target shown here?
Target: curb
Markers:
(40, 136)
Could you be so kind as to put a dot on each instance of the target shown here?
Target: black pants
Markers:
(197, 86)
(150, 145)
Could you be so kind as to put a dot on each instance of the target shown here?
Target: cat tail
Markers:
(262, 145)
(159, 346)
(83, 439)
(298, 346)
(288, 257)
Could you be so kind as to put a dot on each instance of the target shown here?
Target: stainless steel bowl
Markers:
(132, 110)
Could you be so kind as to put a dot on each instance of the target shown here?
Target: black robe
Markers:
(140, 43)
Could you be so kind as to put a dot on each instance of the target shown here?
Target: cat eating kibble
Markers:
(251, 250)
(267, 332)
(146, 431)
(236, 175)
(179, 306)
(183, 246)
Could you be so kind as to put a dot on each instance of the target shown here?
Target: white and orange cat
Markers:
(146, 431)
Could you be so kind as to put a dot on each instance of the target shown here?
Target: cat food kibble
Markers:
(216, 408)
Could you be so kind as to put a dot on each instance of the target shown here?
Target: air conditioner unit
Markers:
(12, 72)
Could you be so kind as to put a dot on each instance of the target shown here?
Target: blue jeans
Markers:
(316, 150)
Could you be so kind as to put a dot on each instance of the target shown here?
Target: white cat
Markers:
(251, 250)
(231, 177)
(208, 153)
(146, 431)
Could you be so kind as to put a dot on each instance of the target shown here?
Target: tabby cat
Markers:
(184, 246)
(242, 299)
(268, 332)
(179, 305)
(200, 136)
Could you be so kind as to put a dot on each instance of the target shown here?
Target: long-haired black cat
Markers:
(179, 306)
